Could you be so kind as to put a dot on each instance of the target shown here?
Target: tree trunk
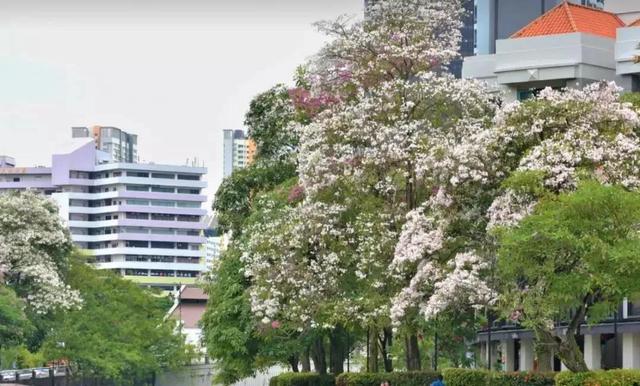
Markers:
(319, 355)
(385, 345)
(372, 358)
(570, 354)
(337, 344)
(566, 346)
(293, 362)
(412, 353)
(545, 356)
(305, 360)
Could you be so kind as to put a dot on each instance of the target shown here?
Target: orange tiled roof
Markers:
(569, 17)
(635, 23)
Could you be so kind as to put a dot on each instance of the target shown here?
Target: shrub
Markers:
(523, 379)
(466, 377)
(599, 378)
(417, 378)
(302, 379)
(475, 377)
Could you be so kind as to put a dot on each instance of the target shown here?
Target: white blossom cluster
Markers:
(294, 261)
(396, 40)
(462, 283)
(400, 129)
(34, 246)
(436, 152)
(568, 135)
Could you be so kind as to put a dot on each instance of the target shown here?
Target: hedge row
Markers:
(599, 378)
(463, 377)
(418, 378)
(303, 379)
(471, 377)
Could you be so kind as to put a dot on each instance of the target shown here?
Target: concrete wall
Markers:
(627, 10)
(197, 375)
(567, 60)
(202, 375)
(626, 49)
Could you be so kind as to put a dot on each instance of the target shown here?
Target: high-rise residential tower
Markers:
(143, 221)
(122, 146)
(238, 151)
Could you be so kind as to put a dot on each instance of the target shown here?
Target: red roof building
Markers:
(568, 17)
(567, 47)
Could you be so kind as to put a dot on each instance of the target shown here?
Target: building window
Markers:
(188, 191)
(162, 245)
(138, 202)
(163, 203)
(136, 272)
(189, 177)
(138, 174)
(188, 204)
(163, 175)
(186, 274)
(138, 188)
(161, 259)
(163, 217)
(157, 272)
(137, 244)
(137, 216)
(16, 179)
(188, 218)
(162, 189)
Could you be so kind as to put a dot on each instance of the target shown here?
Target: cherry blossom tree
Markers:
(34, 247)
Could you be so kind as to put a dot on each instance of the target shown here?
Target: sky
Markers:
(175, 72)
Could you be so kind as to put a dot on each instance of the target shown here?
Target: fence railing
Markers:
(29, 376)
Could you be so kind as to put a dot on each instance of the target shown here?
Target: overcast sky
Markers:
(175, 72)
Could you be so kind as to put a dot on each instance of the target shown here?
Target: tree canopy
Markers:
(120, 333)
(575, 257)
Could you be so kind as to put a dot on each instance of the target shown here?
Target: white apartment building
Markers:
(143, 221)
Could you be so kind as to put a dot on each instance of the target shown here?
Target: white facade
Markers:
(566, 60)
(143, 221)
(627, 10)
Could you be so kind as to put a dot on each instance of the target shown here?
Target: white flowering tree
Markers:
(532, 149)
(555, 143)
(390, 120)
(34, 248)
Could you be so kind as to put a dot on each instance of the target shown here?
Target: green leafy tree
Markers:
(227, 322)
(235, 339)
(120, 333)
(575, 258)
(234, 198)
(15, 326)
